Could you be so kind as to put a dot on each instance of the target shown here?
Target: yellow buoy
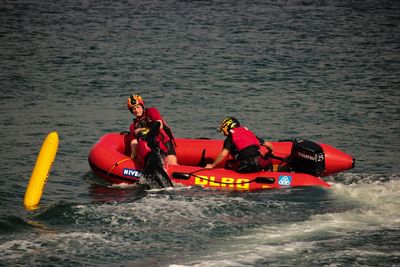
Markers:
(41, 171)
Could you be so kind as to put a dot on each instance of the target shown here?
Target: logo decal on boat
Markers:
(285, 180)
(227, 182)
(131, 172)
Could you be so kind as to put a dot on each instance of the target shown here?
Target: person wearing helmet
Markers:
(244, 147)
(150, 118)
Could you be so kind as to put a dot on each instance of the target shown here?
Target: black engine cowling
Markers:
(307, 157)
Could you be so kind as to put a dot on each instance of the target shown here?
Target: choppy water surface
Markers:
(328, 72)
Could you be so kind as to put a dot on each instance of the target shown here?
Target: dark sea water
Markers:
(328, 71)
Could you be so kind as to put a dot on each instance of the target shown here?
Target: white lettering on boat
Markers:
(306, 156)
(131, 172)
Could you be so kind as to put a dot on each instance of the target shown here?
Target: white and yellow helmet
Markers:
(228, 124)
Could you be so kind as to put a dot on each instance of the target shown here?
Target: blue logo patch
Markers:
(285, 180)
(131, 173)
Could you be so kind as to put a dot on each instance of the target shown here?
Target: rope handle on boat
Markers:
(116, 164)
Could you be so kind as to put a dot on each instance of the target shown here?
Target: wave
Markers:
(368, 231)
(11, 224)
(361, 178)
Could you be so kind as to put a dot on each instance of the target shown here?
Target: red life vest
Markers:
(144, 121)
(243, 138)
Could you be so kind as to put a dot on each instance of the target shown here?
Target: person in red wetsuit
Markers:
(244, 146)
(151, 118)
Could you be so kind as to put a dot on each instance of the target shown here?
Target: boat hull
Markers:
(109, 159)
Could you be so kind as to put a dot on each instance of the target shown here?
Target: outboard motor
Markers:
(307, 157)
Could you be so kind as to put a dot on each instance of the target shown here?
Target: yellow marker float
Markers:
(41, 171)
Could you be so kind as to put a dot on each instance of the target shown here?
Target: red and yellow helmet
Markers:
(228, 124)
(134, 100)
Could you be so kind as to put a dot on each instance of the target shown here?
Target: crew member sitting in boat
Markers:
(150, 118)
(244, 146)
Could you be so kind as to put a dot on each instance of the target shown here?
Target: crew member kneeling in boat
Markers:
(151, 118)
(244, 146)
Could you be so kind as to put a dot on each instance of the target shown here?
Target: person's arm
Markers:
(224, 152)
(161, 124)
(134, 143)
(155, 116)
(269, 146)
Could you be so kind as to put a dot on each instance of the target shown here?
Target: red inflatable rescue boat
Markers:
(295, 163)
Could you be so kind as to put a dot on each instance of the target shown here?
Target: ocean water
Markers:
(327, 71)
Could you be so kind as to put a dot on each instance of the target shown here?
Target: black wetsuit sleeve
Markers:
(260, 140)
(155, 128)
(228, 143)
